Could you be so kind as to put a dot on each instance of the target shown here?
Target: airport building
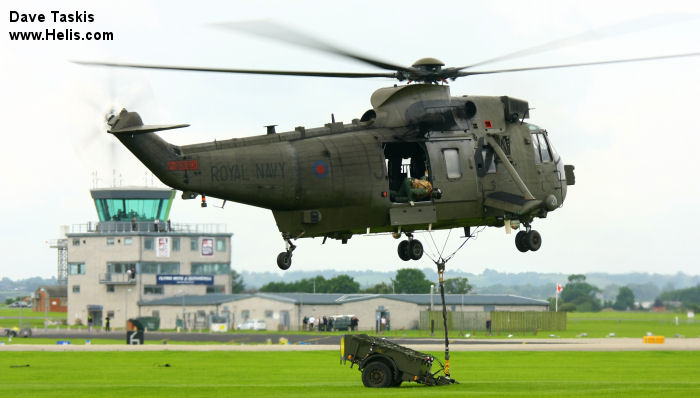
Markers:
(286, 311)
(50, 298)
(134, 253)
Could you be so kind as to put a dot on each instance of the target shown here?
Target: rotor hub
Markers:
(429, 64)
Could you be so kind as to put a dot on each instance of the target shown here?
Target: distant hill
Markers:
(646, 287)
(22, 287)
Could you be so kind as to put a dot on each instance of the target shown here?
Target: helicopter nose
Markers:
(551, 202)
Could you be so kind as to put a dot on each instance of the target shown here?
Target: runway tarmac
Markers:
(583, 344)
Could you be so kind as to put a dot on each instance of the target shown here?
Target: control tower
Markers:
(135, 253)
(132, 208)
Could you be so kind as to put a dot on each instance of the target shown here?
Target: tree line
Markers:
(578, 295)
(406, 281)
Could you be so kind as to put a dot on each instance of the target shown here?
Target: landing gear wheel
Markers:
(415, 249)
(520, 241)
(404, 250)
(533, 240)
(378, 375)
(284, 260)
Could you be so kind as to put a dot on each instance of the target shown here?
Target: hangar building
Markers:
(285, 311)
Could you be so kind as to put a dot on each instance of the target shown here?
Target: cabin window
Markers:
(544, 148)
(541, 148)
(488, 156)
(452, 165)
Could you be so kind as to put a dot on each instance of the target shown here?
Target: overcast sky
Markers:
(631, 130)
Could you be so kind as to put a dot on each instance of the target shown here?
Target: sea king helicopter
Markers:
(420, 159)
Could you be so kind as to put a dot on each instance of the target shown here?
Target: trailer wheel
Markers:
(377, 374)
(397, 381)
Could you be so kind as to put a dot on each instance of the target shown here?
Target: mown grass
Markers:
(319, 374)
(30, 318)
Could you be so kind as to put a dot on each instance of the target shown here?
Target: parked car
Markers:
(15, 331)
(342, 322)
(18, 304)
(252, 324)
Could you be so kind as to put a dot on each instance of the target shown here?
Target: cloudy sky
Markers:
(630, 129)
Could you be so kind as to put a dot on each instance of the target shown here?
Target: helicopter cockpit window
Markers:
(452, 166)
(541, 148)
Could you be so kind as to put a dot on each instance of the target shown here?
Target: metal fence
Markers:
(501, 322)
(145, 226)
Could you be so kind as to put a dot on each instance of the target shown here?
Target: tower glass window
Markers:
(127, 205)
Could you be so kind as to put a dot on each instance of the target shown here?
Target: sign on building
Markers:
(207, 247)
(167, 279)
(163, 247)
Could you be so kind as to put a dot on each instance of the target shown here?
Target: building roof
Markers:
(335, 299)
(54, 290)
(196, 299)
(132, 193)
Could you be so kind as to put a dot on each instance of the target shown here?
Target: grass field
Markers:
(29, 317)
(318, 374)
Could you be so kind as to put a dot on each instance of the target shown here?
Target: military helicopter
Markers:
(420, 159)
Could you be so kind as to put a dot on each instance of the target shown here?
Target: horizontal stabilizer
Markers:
(130, 123)
(147, 129)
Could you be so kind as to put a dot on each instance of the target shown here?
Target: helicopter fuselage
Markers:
(489, 166)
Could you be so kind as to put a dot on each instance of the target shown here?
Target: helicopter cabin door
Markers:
(452, 171)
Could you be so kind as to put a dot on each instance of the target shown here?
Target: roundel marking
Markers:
(320, 168)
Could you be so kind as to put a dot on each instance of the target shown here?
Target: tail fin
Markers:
(154, 152)
(131, 123)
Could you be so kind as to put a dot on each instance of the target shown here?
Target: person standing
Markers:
(107, 323)
(89, 322)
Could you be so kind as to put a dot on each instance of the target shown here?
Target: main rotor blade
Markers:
(623, 28)
(616, 61)
(247, 71)
(282, 33)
